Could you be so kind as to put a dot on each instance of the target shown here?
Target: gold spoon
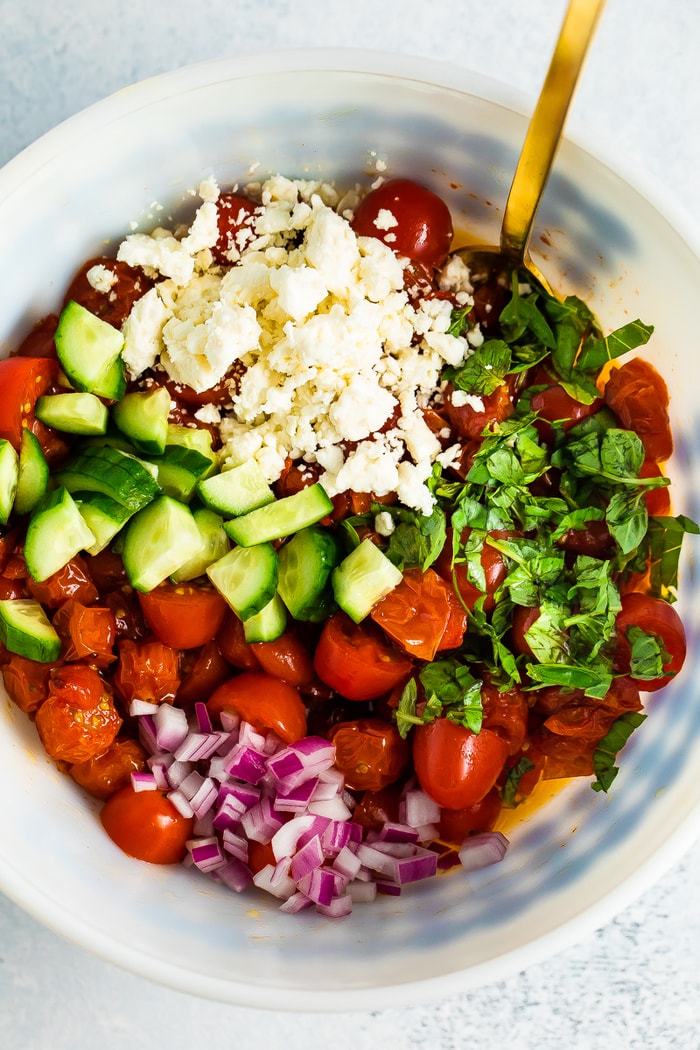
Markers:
(539, 148)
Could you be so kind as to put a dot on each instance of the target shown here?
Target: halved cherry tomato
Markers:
(658, 501)
(207, 671)
(113, 306)
(26, 681)
(638, 396)
(554, 405)
(656, 617)
(107, 773)
(233, 646)
(22, 381)
(456, 824)
(72, 581)
(456, 622)
(454, 765)
(523, 618)
(87, 632)
(78, 720)
(267, 703)
(147, 671)
(286, 658)
(471, 419)
(506, 714)
(492, 563)
(416, 613)
(236, 219)
(183, 615)
(357, 660)
(410, 219)
(40, 342)
(146, 825)
(370, 753)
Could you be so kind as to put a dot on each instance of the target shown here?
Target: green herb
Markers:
(664, 540)
(606, 751)
(512, 782)
(451, 684)
(484, 370)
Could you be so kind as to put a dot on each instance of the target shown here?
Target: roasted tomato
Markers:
(456, 766)
(147, 671)
(146, 825)
(26, 681)
(267, 703)
(87, 632)
(236, 219)
(456, 824)
(638, 396)
(114, 304)
(370, 753)
(472, 416)
(233, 646)
(416, 613)
(183, 615)
(408, 218)
(22, 381)
(202, 673)
(78, 720)
(357, 660)
(107, 773)
(72, 581)
(492, 564)
(656, 617)
(287, 657)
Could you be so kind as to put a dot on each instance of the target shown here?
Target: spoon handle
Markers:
(545, 129)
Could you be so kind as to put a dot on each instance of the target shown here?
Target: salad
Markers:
(320, 553)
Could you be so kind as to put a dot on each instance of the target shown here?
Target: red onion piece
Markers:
(480, 851)
(142, 781)
(307, 858)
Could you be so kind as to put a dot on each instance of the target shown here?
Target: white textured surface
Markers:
(633, 984)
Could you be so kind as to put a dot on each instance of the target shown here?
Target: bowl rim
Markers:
(404, 66)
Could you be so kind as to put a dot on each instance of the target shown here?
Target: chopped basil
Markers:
(512, 782)
(606, 752)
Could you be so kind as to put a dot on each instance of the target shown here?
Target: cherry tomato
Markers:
(107, 773)
(656, 617)
(40, 342)
(506, 714)
(523, 618)
(554, 405)
(408, 218)
(267, 703)
(658, 501)
(492, 563)
(72, 581)
(489, 300)
(260, 854)
(146, 671)
(106, 569)
(638, 396)
(286, 658)
(26, 682)
(113, 306)
(146, 825)
(370, 753)
(127, 613)
(455, 766)
(218, 395)
(471, 419)
(416, 613)
(561, 756)
(233, 646)
(87, 632)
(357, 660)
(376, 808)
(11, 588)
(206, 673)
(78, 720)
(456, 824)
(456, 622)
(595, 540)
(236, 219)
(183, 615)
(22, 381)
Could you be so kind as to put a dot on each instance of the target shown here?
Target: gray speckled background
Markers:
(635, 984)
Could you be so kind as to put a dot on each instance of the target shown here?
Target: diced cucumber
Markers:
(268, 624)
(9, 477)
(73, 413)
(104, 517)
(215, 544)
(179, 470)
(364, 577)
(282, 518)
(306, 562)
(33, 474)
(247, 578)
(157, 541)
(25, 629)
(236, 491)
(56, 533)
(89, 350)
(122, 477)
(197, 438)
(143, 416)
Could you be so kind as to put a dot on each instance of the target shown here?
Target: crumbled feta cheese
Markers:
(101, 278)
(460, 399)
(384, 523)
(385, 220)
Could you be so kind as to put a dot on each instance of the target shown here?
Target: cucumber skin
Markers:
(142, 416)
(132, 483)
(306, 563)
(282, 518)
(45, 648)
(268, 624)
(33, 474)
(157, 541)
(9, 478)
(57, 516)
(100, 370)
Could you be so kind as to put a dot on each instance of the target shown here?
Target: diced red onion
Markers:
(296, 903)
(171, 727)
(320, 885)
(204, 825)
(333, 808)
(245, 763)
(160, 776)
(229, 721)
(393, 832)
(417, 809)
(181, 804)
(336, 837)
(147, 733)
(480, 851)
(207, 854)
(251, 737)
(307, 858)
(275, 879)
(285, 841)
(388, 888)
(302, 760)
(428, 832)
(234, 874)
(362, 892)
(347, 863)
(235, 844)
(195, 747)
(142, 781)
(423, 865)
(296, 799)
(203, 717)
(260, 822)
(177, 771)
(376, 860)
(338, 908)
(137, 708)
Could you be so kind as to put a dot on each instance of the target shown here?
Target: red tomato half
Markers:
(456, 824)
(146, 825)
(286, 658)
(107, 773)
(408, 218)
(654, 616)
(22, 381)
(265, 702)
(183, 615)
(357, 660)
(78, 720)
(455, 766)
(638, 396)
(370, 753)
(471, 419)
(416, 613)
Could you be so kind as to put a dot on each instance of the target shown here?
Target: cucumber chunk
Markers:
(247, 578)
(25, 629)
(281, 518)
(158, 540)
(306, 562)
(122, 477)
(73, 413)
(33, 474)
(89, 350)
(215, 544)
(180, 469)
(104, 517)
(197, 438)
(236, 491)
(143, 417)
(364, 577)
(56, 533)
(9, 477)
(268, 624)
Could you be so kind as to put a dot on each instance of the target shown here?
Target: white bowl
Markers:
(577, 860)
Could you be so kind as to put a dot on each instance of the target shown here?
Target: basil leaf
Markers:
(606, 751)
(595, 681)
(459, 320)
(406, 717)
(512, 782)
(452, 684)
(665, 538)
(648, 655)
(484, 370)
(598, 351)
